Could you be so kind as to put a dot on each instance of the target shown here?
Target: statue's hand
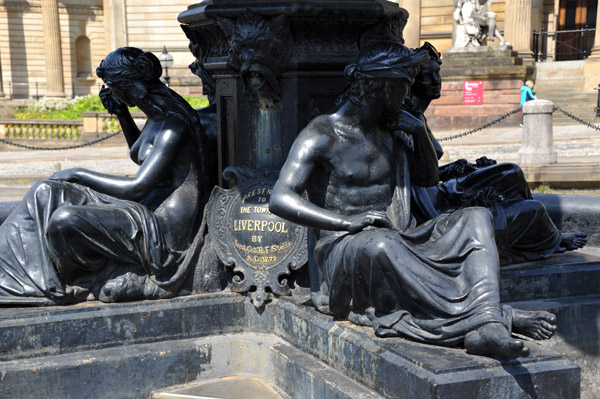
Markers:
(112, 104)
(68, 175)
(369, 218)
(407, 123)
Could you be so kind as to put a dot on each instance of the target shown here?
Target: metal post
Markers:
(167, 77)
(544, 45)
(598, 103)
(37, 93)
(585, 40)
(10, 90)
(535, 45)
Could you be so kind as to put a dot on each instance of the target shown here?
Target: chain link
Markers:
(570, 115)
(29, 147)
(477, 129)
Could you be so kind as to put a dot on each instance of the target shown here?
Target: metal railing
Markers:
(598, 103)
(576, 45)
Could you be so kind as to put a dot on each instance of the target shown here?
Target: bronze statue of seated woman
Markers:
(435, 283)
(86, 235)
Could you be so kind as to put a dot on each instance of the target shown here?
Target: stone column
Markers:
(522, 17)
(1, 85)
(412, 30)
(595, 54)
(537, 147)
(55, 84)
(115, 22)
(591, 69)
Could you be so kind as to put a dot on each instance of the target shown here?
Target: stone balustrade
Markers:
(93, 124)
(43, 129)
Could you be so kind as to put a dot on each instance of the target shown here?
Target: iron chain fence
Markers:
(71, 147)
(575, 118)
(477, 129)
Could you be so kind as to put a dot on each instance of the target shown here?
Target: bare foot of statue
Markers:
(494, 339)
(537, 325)
(572, 241)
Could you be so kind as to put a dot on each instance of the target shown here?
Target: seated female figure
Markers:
(84, 235)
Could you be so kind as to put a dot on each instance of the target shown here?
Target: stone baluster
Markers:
(537, 147)
(54, 65)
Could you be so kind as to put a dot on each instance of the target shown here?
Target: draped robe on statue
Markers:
(522, 226)
(30, 266)
(432, 283)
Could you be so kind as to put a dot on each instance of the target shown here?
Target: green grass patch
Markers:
(72, 109)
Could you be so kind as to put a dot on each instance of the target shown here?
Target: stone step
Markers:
(237, 387)
(577, 336)
(42, 331)
(133, 349)
(562, 275)
(135, 371)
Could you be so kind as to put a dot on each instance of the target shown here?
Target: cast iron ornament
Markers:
(261, 247)
(258, 52)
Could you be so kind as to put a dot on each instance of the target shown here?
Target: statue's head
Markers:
(428, 82)
(385, 72)
(128, 71)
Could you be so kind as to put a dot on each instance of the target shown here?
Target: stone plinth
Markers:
(128, 350)
(485, 63)
(537, 146)
(503, 74)
(499, 98)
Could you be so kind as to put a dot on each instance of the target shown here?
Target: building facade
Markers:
(51, 47)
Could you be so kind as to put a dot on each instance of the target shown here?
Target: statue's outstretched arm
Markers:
(149, 175)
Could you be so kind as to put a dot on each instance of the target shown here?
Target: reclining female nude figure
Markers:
(435, 283)
(86, 235)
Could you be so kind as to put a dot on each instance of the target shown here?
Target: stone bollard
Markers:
(537, 147)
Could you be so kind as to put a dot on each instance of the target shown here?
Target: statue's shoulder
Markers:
(321, 127)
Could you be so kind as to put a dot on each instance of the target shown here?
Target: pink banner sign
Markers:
(473, 92)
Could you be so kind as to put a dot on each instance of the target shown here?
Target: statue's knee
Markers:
(42, 188)
(375, 242)
(478, 216)
(62, 222)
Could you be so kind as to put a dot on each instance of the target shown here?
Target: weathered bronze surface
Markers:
(86, 235)
(436, 282)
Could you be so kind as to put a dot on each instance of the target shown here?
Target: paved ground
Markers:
(20, 168)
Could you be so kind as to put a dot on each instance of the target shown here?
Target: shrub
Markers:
(72, 109)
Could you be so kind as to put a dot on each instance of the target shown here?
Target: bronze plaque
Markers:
(261, 247)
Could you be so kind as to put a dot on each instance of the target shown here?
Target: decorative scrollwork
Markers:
(261, 247)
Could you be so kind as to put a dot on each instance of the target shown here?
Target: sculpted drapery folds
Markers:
(86, 235)
(523, 229)
(436, 282)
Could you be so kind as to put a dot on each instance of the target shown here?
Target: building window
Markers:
(84, 57)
